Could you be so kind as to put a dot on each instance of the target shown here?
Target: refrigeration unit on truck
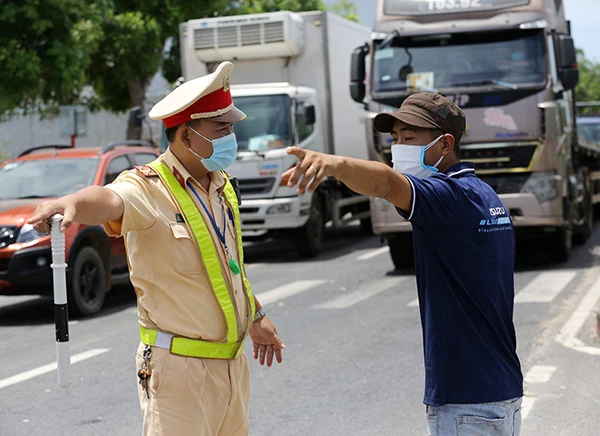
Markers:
(291, 78)
(511, 66)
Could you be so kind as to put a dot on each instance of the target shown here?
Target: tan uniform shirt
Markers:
(166, 269)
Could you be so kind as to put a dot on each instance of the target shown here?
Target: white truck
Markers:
(291, 79)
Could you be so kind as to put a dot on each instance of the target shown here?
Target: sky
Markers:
(584, 16)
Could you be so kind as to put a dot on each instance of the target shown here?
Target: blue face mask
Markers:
(224, 152)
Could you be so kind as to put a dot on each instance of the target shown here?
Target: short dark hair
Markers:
(435, 133)
(171, 131)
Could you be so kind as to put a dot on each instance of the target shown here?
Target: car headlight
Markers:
(543, 185)
(28, 234)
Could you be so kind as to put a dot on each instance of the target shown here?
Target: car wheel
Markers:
(309, 237)
(87, 284)
(401, 250)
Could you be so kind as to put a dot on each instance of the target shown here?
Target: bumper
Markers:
(275, 213)
(23, 275)
(525, 211)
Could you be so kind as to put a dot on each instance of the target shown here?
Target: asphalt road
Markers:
(353, 363)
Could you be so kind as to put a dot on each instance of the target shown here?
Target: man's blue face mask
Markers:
(224, 152)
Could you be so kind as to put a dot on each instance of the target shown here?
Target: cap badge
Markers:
(442, 112)
(226, 83)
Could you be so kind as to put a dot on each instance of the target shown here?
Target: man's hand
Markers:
(41, 217)
(313, 166)
(265, 341)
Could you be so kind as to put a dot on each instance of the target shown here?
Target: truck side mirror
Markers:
(310, 115)
(358, 73)
(567, 62)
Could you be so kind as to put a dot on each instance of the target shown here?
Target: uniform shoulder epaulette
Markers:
(146, 171)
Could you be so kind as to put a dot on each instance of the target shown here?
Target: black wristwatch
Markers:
(259, 314)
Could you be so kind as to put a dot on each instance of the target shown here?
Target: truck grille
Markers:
(256, 186)
(203, 38)
(500, 159)
(227, 36)
(508, 183)
(8, 235)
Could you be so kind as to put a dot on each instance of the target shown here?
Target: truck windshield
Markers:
(503, 60)
(46, 177)
(589, 129)
(268, 124)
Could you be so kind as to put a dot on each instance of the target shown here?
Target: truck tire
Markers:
(583, 231)
(309, 237)
(560, 244)
(401, 250)
(87, 283)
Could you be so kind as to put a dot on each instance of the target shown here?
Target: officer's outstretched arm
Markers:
(373, 179)
(93, 205)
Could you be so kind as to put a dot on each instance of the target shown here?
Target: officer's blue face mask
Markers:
(224, 152)
(410, 159)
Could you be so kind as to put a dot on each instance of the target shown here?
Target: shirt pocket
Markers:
(184, 251)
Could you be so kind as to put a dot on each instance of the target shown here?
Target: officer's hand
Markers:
(265, 341)
(64, 206)
(313, 167)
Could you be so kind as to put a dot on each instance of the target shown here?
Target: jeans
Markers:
(501, 418)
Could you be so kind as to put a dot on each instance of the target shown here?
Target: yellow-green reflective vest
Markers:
(194, 347)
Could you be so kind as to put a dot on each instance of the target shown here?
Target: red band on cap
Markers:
(212, 102)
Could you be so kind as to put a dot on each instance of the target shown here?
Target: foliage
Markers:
(346, 9)
(588, 88)
(45, 50)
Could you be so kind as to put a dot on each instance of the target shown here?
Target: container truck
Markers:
(291, 78)
(511, 66)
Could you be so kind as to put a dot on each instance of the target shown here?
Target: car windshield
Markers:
(589, 130)
(46, 177)
(503, 60)
(268, 124)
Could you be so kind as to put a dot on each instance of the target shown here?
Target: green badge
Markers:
(235, 267)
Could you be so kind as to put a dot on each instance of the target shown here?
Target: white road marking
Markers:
(373, 253)
(49, 367)
(539, 374)
(254, 265)
(545, 287)
(567, 335)
(287, 291)
(414, 303)
(17, 299)
(363, 294)
(526, 406)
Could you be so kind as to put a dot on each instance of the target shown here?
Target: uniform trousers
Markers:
(192, 396)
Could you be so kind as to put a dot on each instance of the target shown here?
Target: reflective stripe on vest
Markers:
(205, 244)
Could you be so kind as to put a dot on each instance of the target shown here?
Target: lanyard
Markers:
(233, 264)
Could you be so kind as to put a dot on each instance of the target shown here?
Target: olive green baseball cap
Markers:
(427, 111)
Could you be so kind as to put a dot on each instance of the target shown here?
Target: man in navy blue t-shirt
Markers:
(464, 260)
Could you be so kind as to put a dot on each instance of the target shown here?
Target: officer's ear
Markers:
(447, 144)
(183, 135)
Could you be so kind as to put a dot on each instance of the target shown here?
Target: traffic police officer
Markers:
(180, 220)
(464, 262)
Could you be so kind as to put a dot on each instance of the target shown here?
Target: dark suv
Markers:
(95, 261)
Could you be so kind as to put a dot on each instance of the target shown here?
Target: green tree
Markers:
(588, 88)
(45, 50)
(346, 9)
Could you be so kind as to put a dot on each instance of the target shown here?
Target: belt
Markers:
(190, 347)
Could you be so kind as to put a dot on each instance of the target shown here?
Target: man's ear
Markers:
(182, 134)
(447, 143)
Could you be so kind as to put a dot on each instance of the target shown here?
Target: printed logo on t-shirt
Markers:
(495, 223)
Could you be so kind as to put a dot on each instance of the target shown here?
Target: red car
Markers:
(95, 261)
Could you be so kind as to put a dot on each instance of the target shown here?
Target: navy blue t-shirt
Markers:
(464, 249)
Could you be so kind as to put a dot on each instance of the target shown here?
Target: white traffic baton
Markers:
(61, 319)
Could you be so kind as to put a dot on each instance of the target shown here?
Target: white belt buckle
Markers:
(163, 340)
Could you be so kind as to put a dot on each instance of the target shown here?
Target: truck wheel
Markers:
(401, 250)
(87, 284)
(560, 244)
(583, 231)
(309, 238)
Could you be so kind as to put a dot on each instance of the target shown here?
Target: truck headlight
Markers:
(28, 234)
(279, 209)
(543, 185)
